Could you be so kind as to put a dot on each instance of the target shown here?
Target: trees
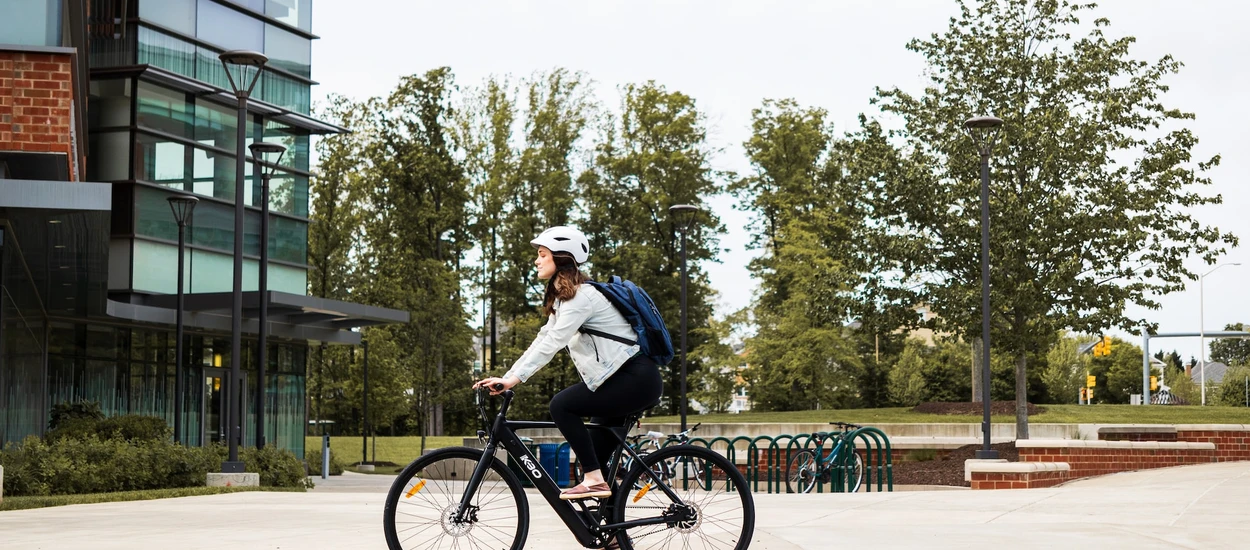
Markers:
(1231, 351)
(714, 386)
(1094, 185)
(1066, 369)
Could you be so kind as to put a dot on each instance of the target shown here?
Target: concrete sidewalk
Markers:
(1199, 507)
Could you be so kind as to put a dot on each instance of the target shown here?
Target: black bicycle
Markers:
(463, 497)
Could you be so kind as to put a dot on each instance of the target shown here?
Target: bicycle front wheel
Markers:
(422, 504)
(716, 510)
(856, 475)
(801, 472)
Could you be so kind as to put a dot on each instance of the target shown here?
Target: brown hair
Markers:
(564, 284)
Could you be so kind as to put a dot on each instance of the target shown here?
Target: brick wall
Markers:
(1018, 480)
(1230, 444)
(36, 97)
(1094, 461)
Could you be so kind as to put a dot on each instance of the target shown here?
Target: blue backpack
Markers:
(640, 312)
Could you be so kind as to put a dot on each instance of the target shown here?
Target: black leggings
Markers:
(632, 388)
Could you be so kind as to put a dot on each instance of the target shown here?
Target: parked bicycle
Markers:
(809, 467)
(462, 497)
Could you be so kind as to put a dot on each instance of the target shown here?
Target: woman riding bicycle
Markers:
(617, 381)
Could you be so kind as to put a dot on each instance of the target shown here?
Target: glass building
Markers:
(123, 104)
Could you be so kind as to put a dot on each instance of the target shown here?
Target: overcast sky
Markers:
(730, 56)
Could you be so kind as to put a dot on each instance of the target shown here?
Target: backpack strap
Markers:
(602, 334)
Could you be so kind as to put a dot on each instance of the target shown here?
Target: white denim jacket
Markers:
(596, 358)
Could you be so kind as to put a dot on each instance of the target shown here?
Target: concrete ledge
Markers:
(1144, 429)
(245, 479)
(1094, 444)
(907, 443)
(1016, 467)
(1, 483)
(971, 461)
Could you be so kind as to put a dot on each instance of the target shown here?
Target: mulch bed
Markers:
(996, 407)
(949, 469)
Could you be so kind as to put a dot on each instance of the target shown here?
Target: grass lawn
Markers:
(1055, 414)
(24, 503)
(399, 450)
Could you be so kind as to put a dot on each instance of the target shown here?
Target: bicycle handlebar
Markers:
(846, 425)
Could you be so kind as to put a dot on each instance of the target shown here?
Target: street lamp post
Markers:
(182, 206)
(984, 131)
(683, 217)
(1202, 333)
(243, 62)
(262, 153)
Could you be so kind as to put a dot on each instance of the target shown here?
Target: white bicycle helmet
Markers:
(563, 238)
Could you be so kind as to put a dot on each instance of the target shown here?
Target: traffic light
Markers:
(1091, 381)
(1154, 383)
(1103, 347)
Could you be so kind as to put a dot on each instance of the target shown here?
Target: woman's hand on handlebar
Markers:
(497, 385)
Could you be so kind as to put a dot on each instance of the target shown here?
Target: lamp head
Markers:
(241, 61)
(182, 206)
(984, 131)
(684, 215)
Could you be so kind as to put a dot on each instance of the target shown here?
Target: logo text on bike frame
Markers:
(535, 472)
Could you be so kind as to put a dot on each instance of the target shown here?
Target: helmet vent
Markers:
(561, 238)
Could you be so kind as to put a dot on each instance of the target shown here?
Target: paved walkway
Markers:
(1198, 507)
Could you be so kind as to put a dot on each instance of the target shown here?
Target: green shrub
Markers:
(130, 427)
(80, 409)
(94, 465)
(277, 467)
(313, 456)
(922, 455)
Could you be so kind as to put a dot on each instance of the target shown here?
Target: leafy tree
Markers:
(1231, 351)
(416, 235)
(1095, 190)
(907, 387)
(1066, 368)
(1232, 389)
(946, 371)
(714, 386)
(654, 154)
(1118, 376)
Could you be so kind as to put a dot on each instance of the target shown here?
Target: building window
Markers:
(285, 92)
(31, 23)
(288, 51)
(178, 15)
(162, 50)
(297, 13)
(165, 110)
(229, 29)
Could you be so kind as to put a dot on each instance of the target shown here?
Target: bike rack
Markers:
(767, 458)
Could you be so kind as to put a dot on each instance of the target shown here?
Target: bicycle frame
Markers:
(584, 524)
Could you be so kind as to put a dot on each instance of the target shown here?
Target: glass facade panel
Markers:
(288, 51)
(297, 13)
(154, 217)
(164, 51)
(109, 156)
(288, 240)
(162, 161)
(216, 125)
(22, 350)
(285, 92)
(209, 69)
(295, 141)
(229, 29)
(165, 110)
(257, 6)
(108, 106)
(31, 23)
(178, 15)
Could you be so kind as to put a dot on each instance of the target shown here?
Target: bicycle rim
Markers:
(723, 509)
(801, 472)
(421, 505)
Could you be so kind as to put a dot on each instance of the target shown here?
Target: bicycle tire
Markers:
(802, 472)
(724, 515)
(857, 475)
(425, 493)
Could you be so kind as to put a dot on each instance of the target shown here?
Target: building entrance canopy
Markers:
(290, 315)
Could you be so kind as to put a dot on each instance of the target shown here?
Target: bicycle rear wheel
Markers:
(856, 475)
(716, 511)
(421, 505)
(802, 472)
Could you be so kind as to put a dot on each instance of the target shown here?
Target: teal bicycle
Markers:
(809, 467)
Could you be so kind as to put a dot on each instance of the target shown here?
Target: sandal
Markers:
(599, 490)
